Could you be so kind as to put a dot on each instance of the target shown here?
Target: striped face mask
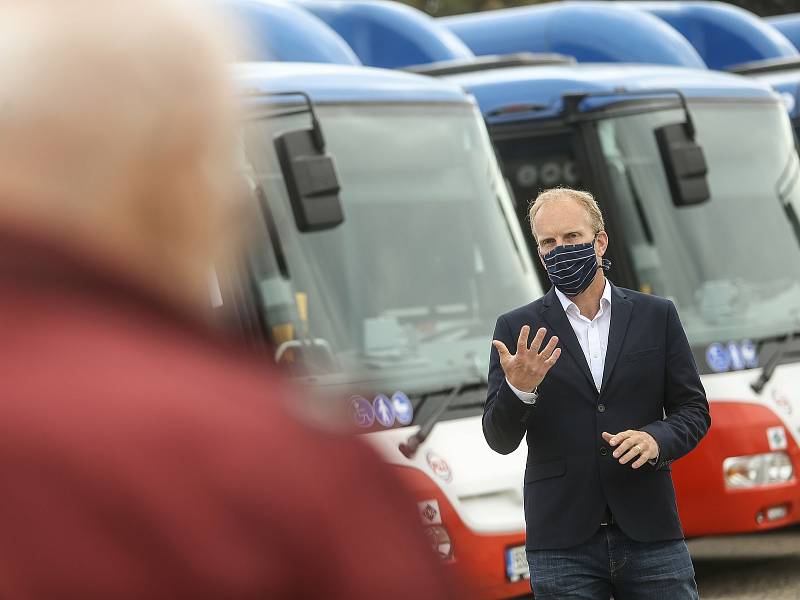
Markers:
(572, 268)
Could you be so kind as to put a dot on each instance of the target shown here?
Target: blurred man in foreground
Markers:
(142, 456)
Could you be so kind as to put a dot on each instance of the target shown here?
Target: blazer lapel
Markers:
(621, 308)
(556, 318)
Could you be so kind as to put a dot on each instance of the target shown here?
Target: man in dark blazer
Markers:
(606, 404)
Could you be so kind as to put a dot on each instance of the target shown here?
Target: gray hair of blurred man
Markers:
(118, 134)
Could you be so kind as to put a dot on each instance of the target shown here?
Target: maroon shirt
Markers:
(142, 457)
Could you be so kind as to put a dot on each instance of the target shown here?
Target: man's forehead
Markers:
(560, 214)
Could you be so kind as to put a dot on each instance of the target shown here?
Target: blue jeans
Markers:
(612, 563)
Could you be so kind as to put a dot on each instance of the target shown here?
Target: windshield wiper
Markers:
(647, 231)
(272, 231)
(411, 445)
(787, 180)
(767, 371)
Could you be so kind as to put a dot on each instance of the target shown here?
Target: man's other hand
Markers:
(526, 369)
(631, 444)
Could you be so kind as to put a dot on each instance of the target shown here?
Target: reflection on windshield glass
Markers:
(409, 286)
(732, 264)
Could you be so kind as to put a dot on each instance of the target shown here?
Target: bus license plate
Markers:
(517, 564)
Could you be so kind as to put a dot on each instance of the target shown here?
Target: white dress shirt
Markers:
(592, 336)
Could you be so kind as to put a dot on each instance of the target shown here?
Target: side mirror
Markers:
(684, 163)
(311, 180)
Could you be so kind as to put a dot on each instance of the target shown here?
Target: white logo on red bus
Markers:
(782, 401)
(439, 466)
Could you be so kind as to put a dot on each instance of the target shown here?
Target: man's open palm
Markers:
(526, 369)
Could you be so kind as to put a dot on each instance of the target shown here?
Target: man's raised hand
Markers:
(526, 369)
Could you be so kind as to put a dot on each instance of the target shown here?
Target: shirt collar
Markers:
(567, 304)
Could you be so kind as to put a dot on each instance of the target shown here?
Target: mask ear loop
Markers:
(605, 263)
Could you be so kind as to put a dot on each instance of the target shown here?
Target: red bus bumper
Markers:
(706, 505)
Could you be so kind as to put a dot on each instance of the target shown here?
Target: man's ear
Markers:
(601, 243)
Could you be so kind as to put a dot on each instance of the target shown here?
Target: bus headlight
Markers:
(757, 469)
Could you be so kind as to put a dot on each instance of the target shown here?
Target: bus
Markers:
(598, 126)
(788, 25)
(385, 244)
(273, 30)
(724, 37)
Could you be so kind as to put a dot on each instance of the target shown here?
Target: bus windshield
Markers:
(731, 264)
(405, 293)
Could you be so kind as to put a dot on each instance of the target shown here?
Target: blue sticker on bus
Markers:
(384, 412)
(749, 354)
(718, 358)
(363, 415)
(737, 361)
(403, 409)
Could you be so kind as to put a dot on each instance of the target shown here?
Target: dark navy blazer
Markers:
(650, 382)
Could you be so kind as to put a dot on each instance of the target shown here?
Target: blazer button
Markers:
(601, 407)
(603, 451)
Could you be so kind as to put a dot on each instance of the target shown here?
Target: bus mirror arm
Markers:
(309, 173)
(316, 128)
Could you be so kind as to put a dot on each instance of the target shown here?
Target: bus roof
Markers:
(543, 87)
(784, 82)
(589, 31)
(278, 31)
(326, 83)
(723, 34)
(788, 25)
(389, 34)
